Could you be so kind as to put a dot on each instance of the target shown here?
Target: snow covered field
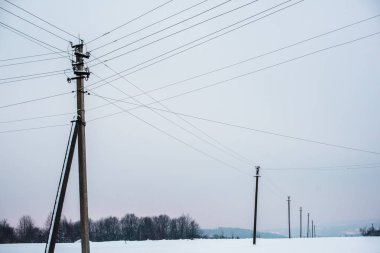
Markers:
(315, 245)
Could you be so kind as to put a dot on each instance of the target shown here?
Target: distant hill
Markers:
(237, 233)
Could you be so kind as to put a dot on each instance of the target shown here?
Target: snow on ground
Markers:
(296, 245)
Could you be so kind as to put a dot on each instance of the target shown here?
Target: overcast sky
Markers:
(331, 96)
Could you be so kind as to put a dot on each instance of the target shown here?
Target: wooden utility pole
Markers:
(312, 228)
(301, 222)
(289, 215)
(256, 194)
(82, 73)
(308, 229)
(315, 235)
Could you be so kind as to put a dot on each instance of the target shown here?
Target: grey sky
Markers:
(330, 97)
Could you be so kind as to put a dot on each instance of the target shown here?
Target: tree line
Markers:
(370, 231)
(128, 228)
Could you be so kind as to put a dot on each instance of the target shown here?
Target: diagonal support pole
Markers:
(56, 217)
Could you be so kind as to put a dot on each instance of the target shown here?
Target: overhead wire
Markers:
(34, 118)
(33, 128)
(271, 66)
(172, 50)
(41, 19)
(259, 56)
(251, 72)
(30, 78)
(40, 43)
(30, 38)
(150, 25)
(33, 39)
(178, 139)
(28, 56)
(174, 33)
(327, 168)
(272, 188)
(34, 100)
(219, 145)
(33, 61)
(36, 74)
(130, 21)
(242, 127)
(29, 22)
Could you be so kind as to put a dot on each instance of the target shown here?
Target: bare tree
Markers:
(7, 233)
(26, 231)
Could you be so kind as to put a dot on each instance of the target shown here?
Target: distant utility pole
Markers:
(308, 229)
(81, 73)
(301, 222)
(289, 214)
(256, 194)
(315, 235)
(312, 228)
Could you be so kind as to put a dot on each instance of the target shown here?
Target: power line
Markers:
(258, 56)
(152, 24)
(30, 38)
(36, 74)
(40, 43)
(29, 56)
(337, 167)
(272, 66)
(27, 62)
(255, 71)
(249, 73)
(34, 100)
(182, 30)
(40, 19)
(219, 145)
(217, 36)
(34, 118)
(33, 24)
(134, 19)
(247, 128)
(272, 188)
(178, 140)
(32, 128)
(174, 33)
(30, 78)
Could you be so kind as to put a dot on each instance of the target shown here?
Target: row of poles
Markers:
(308, 234)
